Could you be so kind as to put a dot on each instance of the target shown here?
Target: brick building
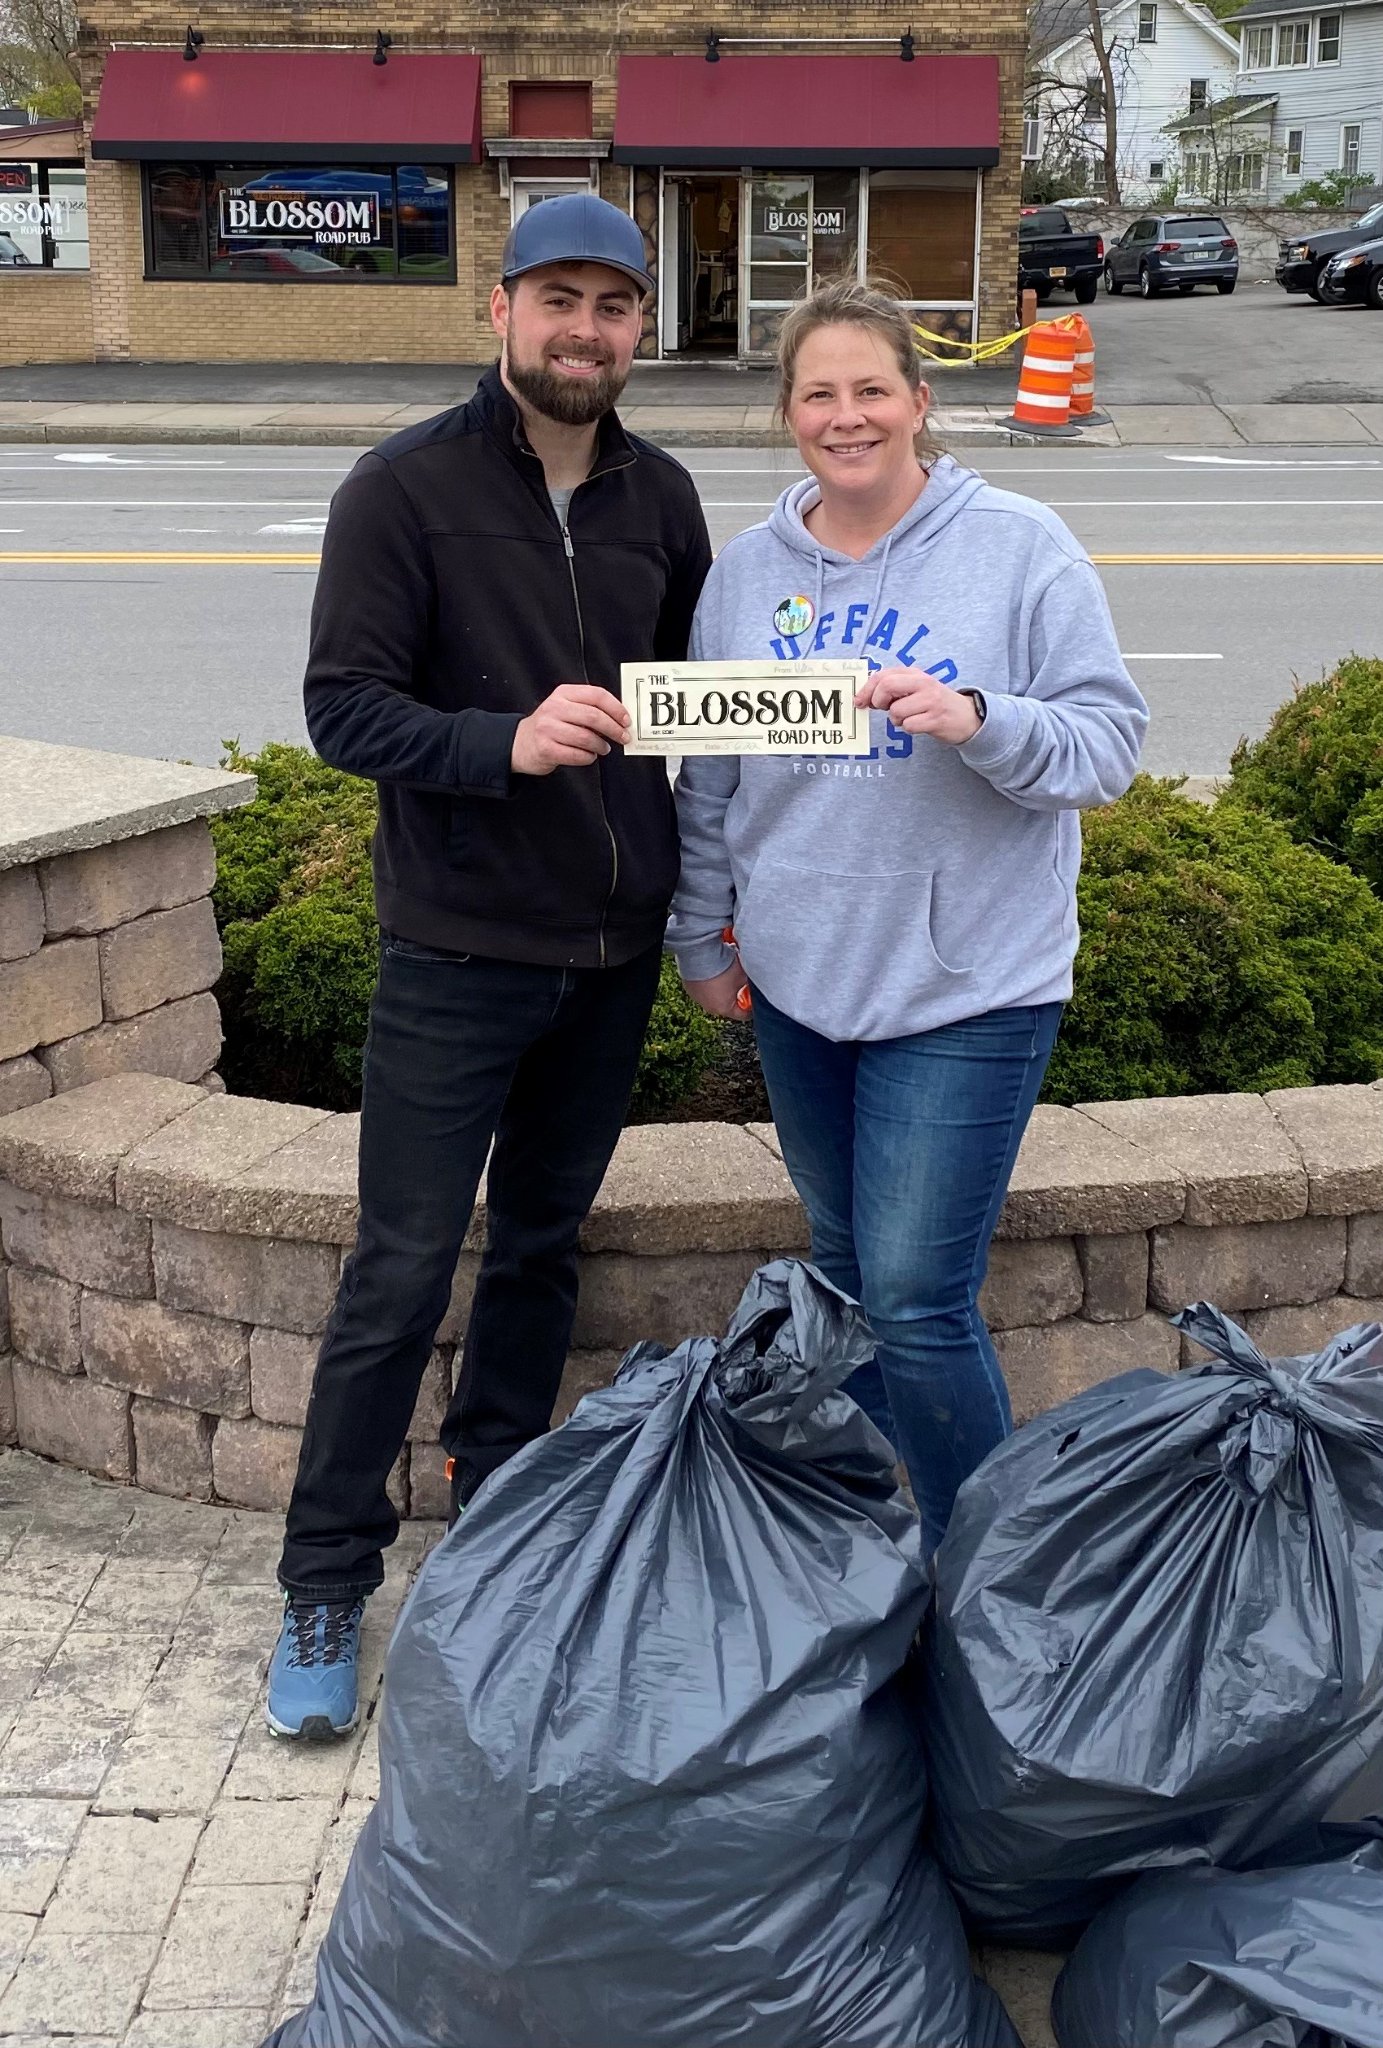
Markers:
(758, 145)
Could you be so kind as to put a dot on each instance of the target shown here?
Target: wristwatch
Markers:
(977, 699)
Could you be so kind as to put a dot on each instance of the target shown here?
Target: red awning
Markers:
(937, 112)
(290, 106)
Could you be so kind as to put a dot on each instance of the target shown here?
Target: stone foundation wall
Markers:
(108, 942)
(169, 1259)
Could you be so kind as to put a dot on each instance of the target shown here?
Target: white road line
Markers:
(1173, 657)
(1284, 461)
(155, 504)
(1248, 504)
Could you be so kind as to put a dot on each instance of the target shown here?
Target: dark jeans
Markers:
(901, 1150)
(461, 1051)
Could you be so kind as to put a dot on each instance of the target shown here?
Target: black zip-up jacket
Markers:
(449, 604)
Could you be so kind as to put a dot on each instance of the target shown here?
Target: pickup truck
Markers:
(1301, 258)
(1053, 257)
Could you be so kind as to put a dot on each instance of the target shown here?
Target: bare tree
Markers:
(38, 55)
(1068, 106)
(1111, 108)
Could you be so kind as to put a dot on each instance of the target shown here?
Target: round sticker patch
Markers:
(794, 615)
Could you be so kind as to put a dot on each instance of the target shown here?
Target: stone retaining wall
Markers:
(108, 942)
(170, 1257)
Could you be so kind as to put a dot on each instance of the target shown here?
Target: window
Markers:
(43, 217)
(1092, 108)
(1294, 42)
(1195, 227)
(1349, 149)
(1246, 169)
(1157, 169)
(1032, 138)
(1257, 49)
(301, 223)
(1199, 94)
(1328, 39)
(922, 232)
(552, 108)
(1147, 21)
(1296, 143)
(1197, 174)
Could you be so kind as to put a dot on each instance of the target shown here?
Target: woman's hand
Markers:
(920, 704)
(719, 997)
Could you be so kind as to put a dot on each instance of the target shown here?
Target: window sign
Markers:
(16, 178)
(332, 219)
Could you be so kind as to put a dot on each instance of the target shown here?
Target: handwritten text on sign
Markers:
(745, 707)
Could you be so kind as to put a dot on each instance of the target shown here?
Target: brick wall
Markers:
(234, 322)
(45, 316)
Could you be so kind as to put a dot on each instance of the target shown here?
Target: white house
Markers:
(1308, 100)
(1168, 57)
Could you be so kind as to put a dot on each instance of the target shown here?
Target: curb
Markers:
(966, 435)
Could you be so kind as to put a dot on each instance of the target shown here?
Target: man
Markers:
(483, 576)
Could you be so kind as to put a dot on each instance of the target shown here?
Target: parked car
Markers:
(1354, 274)
(1301, 259)
(11, 255)
(1166, 250)
(1052, 256)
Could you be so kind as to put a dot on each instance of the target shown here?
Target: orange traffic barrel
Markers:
(1043, 404)
(1083, 378)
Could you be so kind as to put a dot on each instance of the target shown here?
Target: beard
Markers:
(570, 401)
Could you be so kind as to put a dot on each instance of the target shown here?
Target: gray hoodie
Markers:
(919, 883)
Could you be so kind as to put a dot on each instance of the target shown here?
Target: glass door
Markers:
(775, 255)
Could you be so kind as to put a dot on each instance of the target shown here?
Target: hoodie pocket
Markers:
(850, 955)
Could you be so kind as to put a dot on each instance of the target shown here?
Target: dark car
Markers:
(11, 255)
(1054, 256)
(1166, 251)
(1353, 276)
(1302, 258)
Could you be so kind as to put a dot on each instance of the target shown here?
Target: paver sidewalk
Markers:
(166, 1868)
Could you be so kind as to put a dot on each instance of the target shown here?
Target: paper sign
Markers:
(745, 707)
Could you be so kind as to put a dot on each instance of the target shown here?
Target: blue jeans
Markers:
(901, 1150)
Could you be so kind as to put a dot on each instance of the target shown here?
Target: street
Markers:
(155, 600)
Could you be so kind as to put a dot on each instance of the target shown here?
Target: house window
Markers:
(1093, 108)
(1200, 93)
(1246, 171)
(1328, 39)
(43, 216)
(1157, 168)
(1032, 138)
(1257, 49)
(1293, 42)
(550, 108)
(1296, 143)
(300, 223)
(1349, 149)
(1147, 21)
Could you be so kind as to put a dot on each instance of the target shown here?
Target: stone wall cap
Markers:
(1338, 1131)
(694, 1187)
(304, 1189)
(1238, 1162)
(66, 799)
(1073, 1175)
(183, 1173)
(73, 1144)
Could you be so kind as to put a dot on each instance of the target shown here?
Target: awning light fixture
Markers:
(712, 47)
(907, 49)
(193, 44)
(383, 45)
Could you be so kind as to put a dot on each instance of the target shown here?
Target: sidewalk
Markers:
(166, 1868)
(341, 405)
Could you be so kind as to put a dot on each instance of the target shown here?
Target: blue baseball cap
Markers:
(577, 228)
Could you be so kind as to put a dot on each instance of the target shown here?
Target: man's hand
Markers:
(921, 704)
(570, 729)
(719, 997)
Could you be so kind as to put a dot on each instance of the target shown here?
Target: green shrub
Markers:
(1319, 767)
(1217, 955)
(295, 905)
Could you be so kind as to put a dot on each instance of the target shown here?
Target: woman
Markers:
(905, 920)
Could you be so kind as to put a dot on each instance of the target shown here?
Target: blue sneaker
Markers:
(312, 1676)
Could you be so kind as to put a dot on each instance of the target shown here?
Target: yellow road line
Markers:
(268, 559)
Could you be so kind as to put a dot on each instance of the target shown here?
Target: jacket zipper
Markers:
(585, 677)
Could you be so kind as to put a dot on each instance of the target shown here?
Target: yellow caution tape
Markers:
(972, 351)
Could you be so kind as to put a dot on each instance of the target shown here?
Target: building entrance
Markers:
(701, 256)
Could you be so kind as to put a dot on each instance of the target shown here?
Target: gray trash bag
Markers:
(647, 1770)
(1232, 1959)
(1158, 1636)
